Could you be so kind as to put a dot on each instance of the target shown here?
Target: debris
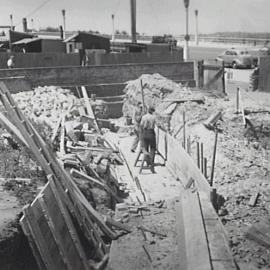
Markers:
(253, 199)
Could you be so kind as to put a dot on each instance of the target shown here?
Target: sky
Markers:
(154, 17)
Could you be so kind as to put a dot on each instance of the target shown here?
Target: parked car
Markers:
(236, 58)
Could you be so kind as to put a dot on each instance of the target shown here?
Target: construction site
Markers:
(73, 196)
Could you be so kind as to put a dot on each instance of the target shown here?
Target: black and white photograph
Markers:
(134, 135)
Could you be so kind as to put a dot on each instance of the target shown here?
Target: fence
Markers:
(30, 60)
(127, 58)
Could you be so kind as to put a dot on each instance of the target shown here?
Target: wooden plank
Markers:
(184, 167)
(63, 229)
(89, 108)
(220, 253)
(12, 129)
(196, 241)
(253, 199)
(55, 130)
(181, 241)
(42, 240)
(32, 243)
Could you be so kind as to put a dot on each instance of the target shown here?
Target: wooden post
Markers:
(205, 167)
(184, 130)
(202, 157)
(237, 100)
(143, 102)
(198, 154)
(189, 145)
(214, 159)
(223, 78)
(200, 74)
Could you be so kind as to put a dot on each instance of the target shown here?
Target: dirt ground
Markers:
(242, 169)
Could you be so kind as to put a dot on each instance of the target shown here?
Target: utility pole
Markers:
(133, 20)
(11, 22)
(196, 28)
(113, 31)
(186, 49)
(64, 23)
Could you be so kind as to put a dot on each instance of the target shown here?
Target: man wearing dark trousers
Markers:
(148, 138)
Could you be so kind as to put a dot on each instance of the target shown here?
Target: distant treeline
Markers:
(262, 35)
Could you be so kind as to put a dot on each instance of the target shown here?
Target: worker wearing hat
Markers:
(148, 137)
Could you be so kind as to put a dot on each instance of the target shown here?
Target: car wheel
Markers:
(234, 65)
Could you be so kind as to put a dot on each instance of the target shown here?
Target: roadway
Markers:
(204, 53)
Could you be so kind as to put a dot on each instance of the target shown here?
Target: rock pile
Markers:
(45, 105)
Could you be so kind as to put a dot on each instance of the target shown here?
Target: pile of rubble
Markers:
(45, 105)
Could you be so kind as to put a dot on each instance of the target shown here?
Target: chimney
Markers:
(133, 20)
(64, 22)
(61, 32)
(24, 21)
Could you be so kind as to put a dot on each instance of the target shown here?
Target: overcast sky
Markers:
(153, 16)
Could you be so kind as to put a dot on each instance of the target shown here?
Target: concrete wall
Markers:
(264, 74)
(29, 60)
(93, 75)
(124, 58)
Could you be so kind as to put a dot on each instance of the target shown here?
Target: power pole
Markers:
(196, 28)
(64, 23)
(186, 49)
(133, 20)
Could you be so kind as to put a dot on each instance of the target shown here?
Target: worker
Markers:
(10, 62)
(148, 138)
(136, 119)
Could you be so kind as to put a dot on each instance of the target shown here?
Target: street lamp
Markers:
(186, 49)
(113, 32)
(196, 28)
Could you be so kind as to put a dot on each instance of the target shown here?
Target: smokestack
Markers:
(24, 21)
(64, 22)
(133, 21)
(32, 25)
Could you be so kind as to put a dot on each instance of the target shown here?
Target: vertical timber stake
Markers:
(214, 159)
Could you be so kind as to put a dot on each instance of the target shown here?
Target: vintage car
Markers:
(236, 58)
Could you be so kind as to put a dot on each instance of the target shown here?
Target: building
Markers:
(38, 45)
(82, 41)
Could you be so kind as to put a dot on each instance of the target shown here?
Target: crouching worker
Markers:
(136, 119)
(148, 138)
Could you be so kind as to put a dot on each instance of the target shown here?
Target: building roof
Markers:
(29, 40)
(84, 33)
(26, 41)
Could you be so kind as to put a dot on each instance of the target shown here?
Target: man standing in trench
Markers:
(136, 119)
(148, 138)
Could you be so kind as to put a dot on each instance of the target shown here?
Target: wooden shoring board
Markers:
(49, 163)
(32, 242)
(220, 253)
(63, 228)
(196, 245)
(89, 108)
(180, 235)
(183, 167)
(42, 233)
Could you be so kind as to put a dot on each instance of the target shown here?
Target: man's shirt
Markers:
(148, 121)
